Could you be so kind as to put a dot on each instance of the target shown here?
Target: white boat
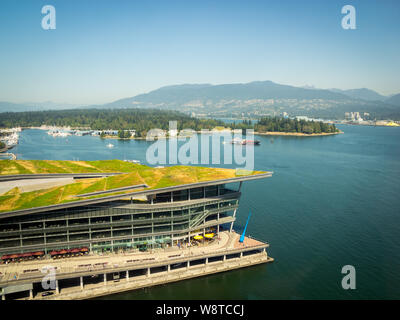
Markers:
(110, 145)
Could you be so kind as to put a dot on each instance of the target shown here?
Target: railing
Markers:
(71, 228)
(71, 272)
(49, 245)
(198, 219)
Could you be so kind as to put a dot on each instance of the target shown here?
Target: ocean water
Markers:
(332, 201)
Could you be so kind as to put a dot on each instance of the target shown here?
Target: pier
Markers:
(9, 154)
(96, 275)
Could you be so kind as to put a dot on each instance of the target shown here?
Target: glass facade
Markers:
(122, 225)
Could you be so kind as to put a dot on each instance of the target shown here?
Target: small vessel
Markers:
(244, 142)
(110, 145)
(255, 142)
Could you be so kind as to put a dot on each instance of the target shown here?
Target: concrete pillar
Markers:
(3, 297)
(57, 287)
(127, 275)
(105, 279)
(81, 280)
(30, 294)
(206, 260)
(234, 213)
(187, 265)
(224, 257)
(148, 272)
(169, 268)
(241, 254)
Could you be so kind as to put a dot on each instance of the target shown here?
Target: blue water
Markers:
(332, 201)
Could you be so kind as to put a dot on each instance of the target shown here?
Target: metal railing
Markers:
(71, 272)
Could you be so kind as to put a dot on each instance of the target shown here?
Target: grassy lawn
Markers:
(133, 174)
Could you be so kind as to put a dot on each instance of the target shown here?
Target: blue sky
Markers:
(106, 50)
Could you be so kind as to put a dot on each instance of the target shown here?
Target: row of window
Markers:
(115, 219)
(105, 233)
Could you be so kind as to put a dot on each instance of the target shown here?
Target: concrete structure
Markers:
(126, 240)
(96, 275)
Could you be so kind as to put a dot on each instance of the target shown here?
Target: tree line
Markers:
(276, 124)
(142, 120)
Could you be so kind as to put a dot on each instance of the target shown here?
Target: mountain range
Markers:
(394, 100)
(362, 93)
(34, 106)
(249, 99)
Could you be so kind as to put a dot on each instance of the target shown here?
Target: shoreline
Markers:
(270, 133)
(296, 134)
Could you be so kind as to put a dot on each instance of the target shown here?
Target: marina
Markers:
(10, 137)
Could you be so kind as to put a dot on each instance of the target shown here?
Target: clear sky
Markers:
(102, 51)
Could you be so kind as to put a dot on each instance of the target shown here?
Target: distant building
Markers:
(353, 116)
(302, 118)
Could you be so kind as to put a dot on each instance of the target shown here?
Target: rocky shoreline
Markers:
(296, 134)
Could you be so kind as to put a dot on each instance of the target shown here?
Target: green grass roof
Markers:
(133, 174)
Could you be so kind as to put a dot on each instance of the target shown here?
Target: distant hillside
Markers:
(31, 106)
(362, 93)
(257, 99)
(248, 100)
(182, 94)
(15, 107)
(394, 100)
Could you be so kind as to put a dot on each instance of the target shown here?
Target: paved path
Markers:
(28, 185)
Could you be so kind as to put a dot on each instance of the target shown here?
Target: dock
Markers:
(96, 275)
(9, 154)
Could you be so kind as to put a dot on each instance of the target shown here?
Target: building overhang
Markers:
(128, 195)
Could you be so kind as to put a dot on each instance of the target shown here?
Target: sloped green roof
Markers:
(132, 174)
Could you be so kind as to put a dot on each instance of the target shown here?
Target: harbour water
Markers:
(332, 201)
